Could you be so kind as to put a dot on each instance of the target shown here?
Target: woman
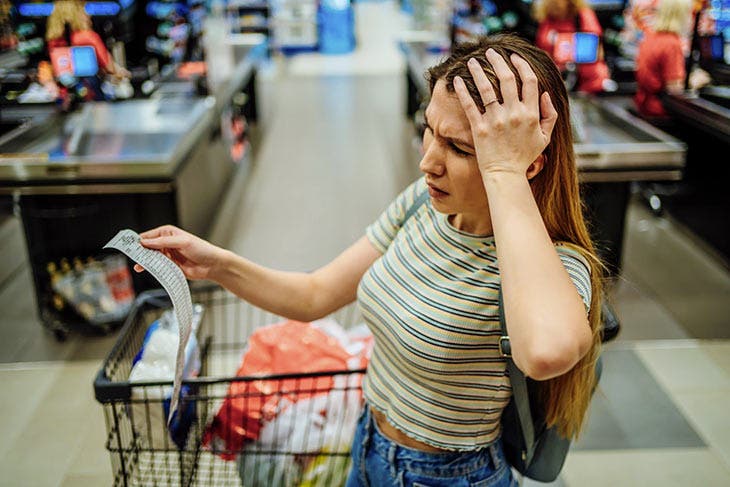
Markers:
(72, 14)
(503, 211)
(660, 63)
(566, 17)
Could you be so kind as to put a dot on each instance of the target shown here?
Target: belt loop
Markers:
(392, 460)
(494, 452)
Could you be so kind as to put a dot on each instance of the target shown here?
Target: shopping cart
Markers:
(141, 450)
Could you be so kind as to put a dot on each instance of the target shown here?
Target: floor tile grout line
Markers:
(49, 364)
(688, 416)
(665, 344)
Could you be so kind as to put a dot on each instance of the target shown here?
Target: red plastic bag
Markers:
(291, 347)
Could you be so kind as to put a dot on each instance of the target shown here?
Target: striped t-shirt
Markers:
(431, 302)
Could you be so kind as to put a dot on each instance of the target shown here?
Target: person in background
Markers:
(502, 211)
(8, 39)
(568, 16)
(660, 62)
(71, 15)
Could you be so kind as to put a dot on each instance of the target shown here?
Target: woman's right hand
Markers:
(196, 257)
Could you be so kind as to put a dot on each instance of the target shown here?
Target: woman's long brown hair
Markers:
(566, 398)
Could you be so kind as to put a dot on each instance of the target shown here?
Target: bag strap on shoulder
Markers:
(519, 388)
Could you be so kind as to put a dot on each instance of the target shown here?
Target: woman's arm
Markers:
(673, 69)
(545, 36)
(546, 318)
(295, 295)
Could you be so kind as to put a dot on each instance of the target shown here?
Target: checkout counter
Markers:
(613, 148)
(701, 204)
(77, 179)
(707, 110)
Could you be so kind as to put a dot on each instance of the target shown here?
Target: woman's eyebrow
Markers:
(453, 140)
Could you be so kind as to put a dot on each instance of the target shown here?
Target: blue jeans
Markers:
(379, 462)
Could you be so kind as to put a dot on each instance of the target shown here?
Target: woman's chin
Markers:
(440, 206)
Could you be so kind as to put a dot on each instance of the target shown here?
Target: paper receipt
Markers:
(174, 282)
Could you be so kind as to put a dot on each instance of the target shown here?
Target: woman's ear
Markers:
(535, 168)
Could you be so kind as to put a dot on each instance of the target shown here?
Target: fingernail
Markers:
(490, 50)
(472, 61)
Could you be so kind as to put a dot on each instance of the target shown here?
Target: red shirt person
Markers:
(660, 61)
(87, 38)
(567, 17)
(659, 68)
(72, 15)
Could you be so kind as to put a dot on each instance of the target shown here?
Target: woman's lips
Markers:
(435, 192)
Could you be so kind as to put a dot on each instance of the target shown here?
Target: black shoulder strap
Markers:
(417, 203)
(519, 390)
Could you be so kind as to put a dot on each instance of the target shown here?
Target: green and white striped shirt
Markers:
(431, 302)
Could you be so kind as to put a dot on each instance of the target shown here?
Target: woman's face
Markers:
(449, 162)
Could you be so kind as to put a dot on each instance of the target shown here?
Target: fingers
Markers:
(159, 231)
(164, 242)
(138, 268)
(548, 115)
(467, 103)
(482, 82)
(530, 93)
(507, 81)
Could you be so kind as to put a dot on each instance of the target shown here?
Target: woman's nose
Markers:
(432, 160)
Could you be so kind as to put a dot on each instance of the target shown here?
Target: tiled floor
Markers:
(334, 150)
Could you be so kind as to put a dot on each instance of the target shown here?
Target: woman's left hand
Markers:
(508, 136)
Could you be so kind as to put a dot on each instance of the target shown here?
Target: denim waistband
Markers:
(457, 463)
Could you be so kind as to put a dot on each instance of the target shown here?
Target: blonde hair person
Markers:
(503, 211)
(67, 12)
(673, 16)
(660, 62)
(567, 17)
(72, 14)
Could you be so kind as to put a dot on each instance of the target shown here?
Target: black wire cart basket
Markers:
(295, 452)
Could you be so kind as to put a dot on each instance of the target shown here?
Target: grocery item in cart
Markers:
(290, 347)
(312, 428)
(155, 361)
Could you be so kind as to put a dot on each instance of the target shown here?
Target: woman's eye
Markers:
(459, 151)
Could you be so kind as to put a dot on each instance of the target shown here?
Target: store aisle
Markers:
(334, 149)
(336, 152)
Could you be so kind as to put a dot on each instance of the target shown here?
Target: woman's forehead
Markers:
(444, 109)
